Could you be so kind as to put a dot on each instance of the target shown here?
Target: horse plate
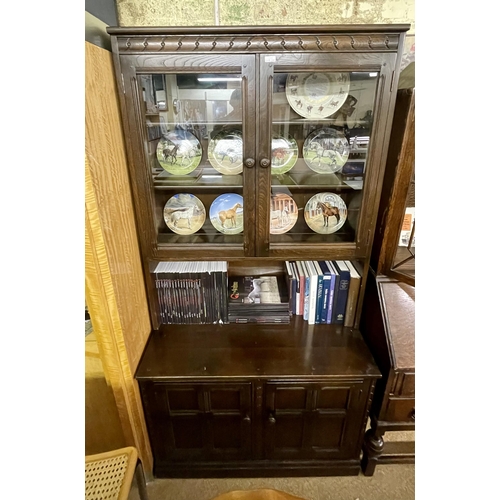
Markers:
(325, 213)
(326, 150)
(226, 213)
(225, 152)
(317, 95)
(184, 213)
(284, 213)
(284, 154)
(179, 152)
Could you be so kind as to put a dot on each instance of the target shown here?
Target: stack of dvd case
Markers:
(192, 292)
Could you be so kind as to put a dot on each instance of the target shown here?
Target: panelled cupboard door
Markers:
(267, 144)
(198, 422)
(313, 420)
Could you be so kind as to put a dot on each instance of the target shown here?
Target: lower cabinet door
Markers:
(314, 420)
(198, 422)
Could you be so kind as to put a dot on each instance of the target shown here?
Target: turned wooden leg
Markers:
(373, 445)
(141, 481)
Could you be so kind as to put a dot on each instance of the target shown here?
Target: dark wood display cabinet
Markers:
(286, 124)
(388, 318)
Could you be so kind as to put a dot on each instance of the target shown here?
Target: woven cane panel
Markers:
(103, 478)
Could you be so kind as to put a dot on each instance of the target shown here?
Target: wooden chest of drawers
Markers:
(388, 325)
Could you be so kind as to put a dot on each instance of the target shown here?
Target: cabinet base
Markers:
(258, 469)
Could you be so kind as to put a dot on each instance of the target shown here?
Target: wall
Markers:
(270, 12)
(259, 12)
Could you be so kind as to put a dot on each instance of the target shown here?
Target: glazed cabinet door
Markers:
(191, 147)
(198, 422)
(313, 420)
(321, 150)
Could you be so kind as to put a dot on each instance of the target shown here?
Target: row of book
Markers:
(192, 292)
(324, 292)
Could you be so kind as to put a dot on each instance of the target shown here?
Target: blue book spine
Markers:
(341, 302)
(319, 300)
(306, 300)
(326, 290)
(331, 298)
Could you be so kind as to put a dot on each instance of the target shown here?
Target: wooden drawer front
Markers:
(404, 385)
(400, 410)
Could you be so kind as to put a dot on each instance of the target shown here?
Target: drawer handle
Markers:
(247, 419)
(249, 162)
(265, 162)
(412, 414)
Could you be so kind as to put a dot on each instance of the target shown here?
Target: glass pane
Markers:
(195, 153)
(322, 124)
(404, 259)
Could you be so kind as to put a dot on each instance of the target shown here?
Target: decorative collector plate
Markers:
(326, 150)
(284, 154)
(225, 152)
(179, 152)
(317, 95)
(325, 213)
(184, 213)
(284, 213)
(226, 213)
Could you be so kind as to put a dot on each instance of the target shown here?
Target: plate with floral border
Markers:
(325, 213)
(284, 213)
(184, 213)
(326, 150)
(317, 95)
(179, 152)
(226, 213)
(225, 152)
(284, 154)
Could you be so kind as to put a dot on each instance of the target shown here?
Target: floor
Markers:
(390, 482)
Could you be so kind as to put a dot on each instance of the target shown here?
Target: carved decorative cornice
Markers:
(376, 42)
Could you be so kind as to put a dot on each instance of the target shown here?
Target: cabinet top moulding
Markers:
(324, 38)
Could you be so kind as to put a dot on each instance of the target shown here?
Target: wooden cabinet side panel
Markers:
(107, 163)
(114, 284)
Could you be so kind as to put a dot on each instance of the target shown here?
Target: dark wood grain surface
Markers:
(295, 350)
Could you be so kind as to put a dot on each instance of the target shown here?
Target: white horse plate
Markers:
(184, 213)
(284, 213)
(326, 150)
(179, 152)
(317, 95)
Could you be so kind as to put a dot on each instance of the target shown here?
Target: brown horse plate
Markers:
(226, 213)
(325, 213)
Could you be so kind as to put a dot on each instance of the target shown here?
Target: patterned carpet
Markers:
(390, 482)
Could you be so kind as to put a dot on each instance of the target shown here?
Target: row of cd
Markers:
(184, 213)
(325, 151)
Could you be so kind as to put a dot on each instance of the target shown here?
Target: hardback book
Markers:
(352, 296)
(327, 281)
(319, 298)
(313, 291)
(292, 286)
(302, 287)
(334, 286)
(297, 287)
(307, 290)
(343, 290)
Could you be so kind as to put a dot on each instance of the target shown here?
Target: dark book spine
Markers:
(343, 290)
